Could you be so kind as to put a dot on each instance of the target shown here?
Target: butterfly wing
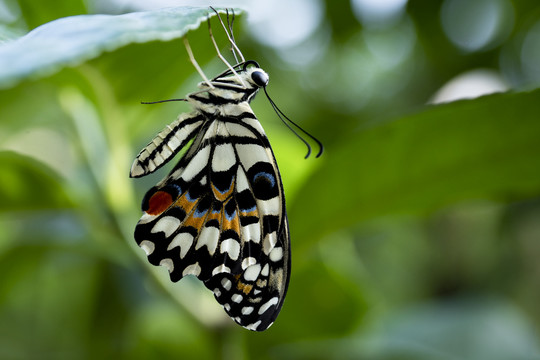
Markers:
(220, 215)
(166, 144)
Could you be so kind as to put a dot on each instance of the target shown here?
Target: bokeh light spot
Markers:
(282, 23)
(469, 85)
(477, 25)
(530, 55)
(378, 12)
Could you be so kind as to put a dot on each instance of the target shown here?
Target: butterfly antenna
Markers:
(280, 113)
(160, 101)
(217, 48)
(290, 128)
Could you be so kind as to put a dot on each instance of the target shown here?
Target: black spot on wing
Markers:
(264, 181)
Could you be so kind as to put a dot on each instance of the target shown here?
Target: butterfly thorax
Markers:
(222, 94)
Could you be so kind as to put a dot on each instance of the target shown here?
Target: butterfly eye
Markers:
(259, 78)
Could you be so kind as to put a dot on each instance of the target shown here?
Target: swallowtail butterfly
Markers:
(220, 213)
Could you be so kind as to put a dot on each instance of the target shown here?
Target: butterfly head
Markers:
(254, 74)
(253, 78)
(248, 75)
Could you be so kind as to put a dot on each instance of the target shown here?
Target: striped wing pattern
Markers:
(220, 214)
(167, 144)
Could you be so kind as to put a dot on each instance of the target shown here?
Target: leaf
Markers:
(486, 148)
(26, 184)
(463, 328)
(72, 40)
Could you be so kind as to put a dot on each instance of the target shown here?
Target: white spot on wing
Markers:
(251, 154)
(167, 263)
(269, 207)
(184, 241)
(151, 165)
(251, 232)
(239, 130)
(193, 269)
(269, 242)
(223, 158)
(248, 262)
(254, 123)
(167, 224)
(252, 272)
(226, 283)
(166, 152)
(197, 163)
(253, 326)
(268, 304)
(220, 269)
(241, 180)
(266, 270)
(147, 246)
(177, 173)
(237, 109)
(231, 247)
(276, 254)
(174, 142)
(209, 236)
(136, 169)
(149, 148)
(247, 310)
(146, 218)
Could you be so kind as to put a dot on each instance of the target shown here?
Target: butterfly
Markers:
(220, 213)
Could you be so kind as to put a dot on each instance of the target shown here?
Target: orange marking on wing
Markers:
(249, 213)
(223, 196)
(233, 224)
(245, 288)
(159, 202)
(196, 221)
(215, 215)
(185, 204)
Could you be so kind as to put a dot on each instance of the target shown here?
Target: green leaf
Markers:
(486, 148)
(26, 184)
(463, 328)
(75, 39)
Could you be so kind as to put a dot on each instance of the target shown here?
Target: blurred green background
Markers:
(415, 236)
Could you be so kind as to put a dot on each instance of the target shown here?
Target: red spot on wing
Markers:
(159, 202)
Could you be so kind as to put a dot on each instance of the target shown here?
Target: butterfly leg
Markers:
(219, 53)
(230, 35)
(195, 64)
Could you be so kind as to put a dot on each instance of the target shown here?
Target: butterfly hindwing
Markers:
(220, 215)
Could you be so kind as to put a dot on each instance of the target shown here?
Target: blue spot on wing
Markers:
(200, 213)
(230, 216)
(191, 198)
(269, 177)
(250, 209)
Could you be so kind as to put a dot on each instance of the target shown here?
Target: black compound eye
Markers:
(259, 78)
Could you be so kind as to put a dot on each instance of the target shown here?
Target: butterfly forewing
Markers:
(166, 144)
(220, 214)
